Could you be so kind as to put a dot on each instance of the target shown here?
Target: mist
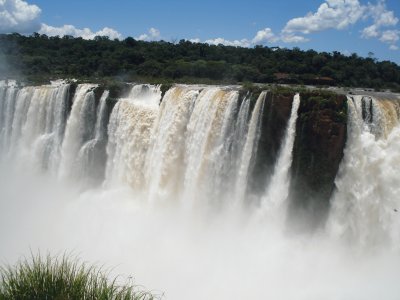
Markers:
(185, 256)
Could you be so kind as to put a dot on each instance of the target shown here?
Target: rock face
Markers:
(317, 153)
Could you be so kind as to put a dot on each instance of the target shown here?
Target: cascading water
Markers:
(250, 148)
(186, 149)
(33, 124)
(23, 99)
(205, 140)
(80, 129)
(164, 160)
(278, 188)
(194, 148)
(129, 133)
(92, 155)
(8, 107)
(364, 209)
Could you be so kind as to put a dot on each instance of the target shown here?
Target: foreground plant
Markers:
(63, 279)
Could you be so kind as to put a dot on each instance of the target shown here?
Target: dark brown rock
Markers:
(317, 153)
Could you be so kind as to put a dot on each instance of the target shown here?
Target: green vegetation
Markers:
(321, 100)
(39, 58)
(63, 279)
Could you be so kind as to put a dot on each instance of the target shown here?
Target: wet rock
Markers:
(317, 153)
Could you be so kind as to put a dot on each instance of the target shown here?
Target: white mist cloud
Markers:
(152, 35)
(18, 16)
(217, 255)
(84, 33)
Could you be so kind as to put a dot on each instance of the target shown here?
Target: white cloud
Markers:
(293, 39)
(236, 43)
(394, 47)
(196, 40)
(390, 36)
(21, 17)
(332, 14)
(370, 32)
(340, 14)
(152, 35)
(267, 36)
(263, 36)
(84, 33)
(18, 16)
(154, 32)
(382, 17)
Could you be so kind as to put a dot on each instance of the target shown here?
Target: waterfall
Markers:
(188, 148)
(21, 109)
(79, 130)
(164, 161)
(7, 115)
(129, 131)
(34, 121)
(199, 180)
(32, 124)
(364, 208)
(92, 155)
(196, 146)
(205, 153)
(278, 188)
(50, 135)
(250, 148)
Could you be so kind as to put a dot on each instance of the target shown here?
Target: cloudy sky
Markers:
(347, 26)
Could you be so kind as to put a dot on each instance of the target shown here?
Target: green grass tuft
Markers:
(63, 278)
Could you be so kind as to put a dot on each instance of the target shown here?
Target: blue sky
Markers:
(325, 25)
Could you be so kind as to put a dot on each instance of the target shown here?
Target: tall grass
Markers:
(62, 278)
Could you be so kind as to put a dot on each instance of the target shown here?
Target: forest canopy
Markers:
(39, 58)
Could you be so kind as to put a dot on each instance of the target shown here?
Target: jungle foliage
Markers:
(39, 57)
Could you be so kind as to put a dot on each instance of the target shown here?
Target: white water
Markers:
(366, 205)
(195, 150)
(274, 202)
(33, 122)
(79, 130)
(250, 147)
(129, 136)
(164, 168)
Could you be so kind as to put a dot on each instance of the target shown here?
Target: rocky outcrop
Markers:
(317, 153)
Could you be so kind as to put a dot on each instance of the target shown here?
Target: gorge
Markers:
(225, 190)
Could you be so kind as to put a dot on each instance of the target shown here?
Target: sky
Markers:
(348, 26)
